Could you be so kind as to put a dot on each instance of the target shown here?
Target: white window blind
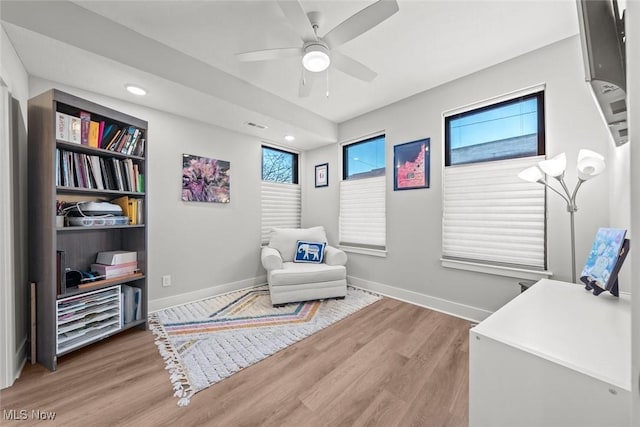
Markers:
(491, 215)
(280, 207)
(363, 212)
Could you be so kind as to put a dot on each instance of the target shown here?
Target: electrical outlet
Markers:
(166, 281)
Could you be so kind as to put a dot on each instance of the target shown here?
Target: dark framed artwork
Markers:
(411, 165)
(205, 179)
(322, 175)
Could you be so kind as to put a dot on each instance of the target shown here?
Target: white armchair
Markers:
(291, 281)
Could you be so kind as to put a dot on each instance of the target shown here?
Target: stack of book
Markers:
(115, 264)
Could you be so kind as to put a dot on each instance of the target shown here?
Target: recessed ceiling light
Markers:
(290, 138)
(136, 90)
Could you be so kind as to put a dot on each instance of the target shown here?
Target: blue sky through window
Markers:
(365, 156)
(508, 121)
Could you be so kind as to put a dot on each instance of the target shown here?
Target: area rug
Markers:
(205, 341)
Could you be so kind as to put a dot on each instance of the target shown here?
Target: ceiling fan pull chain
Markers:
(327, 83)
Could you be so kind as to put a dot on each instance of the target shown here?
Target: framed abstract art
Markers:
(205, 179)
(411, 165)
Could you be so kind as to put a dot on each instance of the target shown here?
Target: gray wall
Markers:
(412, 267)
(207, 248)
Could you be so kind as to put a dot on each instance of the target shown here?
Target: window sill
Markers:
(364, 251)
(517, 273)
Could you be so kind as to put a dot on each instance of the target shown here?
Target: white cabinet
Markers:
(556, 355)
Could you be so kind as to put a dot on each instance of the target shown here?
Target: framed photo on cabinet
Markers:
(411, 165)
(322, 175)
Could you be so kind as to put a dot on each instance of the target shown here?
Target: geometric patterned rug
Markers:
(205, 341)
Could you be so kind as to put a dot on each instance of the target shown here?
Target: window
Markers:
(364, 159)
(506, 130)
(279, 165)
(362, 196)
(490, 216)
(280, 192)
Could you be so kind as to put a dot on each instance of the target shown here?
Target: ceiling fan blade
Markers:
(269, 54)
(361, 22)
(352, 67)
(298, 19)
(306, 83)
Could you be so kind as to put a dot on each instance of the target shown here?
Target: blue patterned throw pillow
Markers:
(309, 252)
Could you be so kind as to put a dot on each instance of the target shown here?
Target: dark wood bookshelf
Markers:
(100, 284)
(80, 228)
(97, 192)
(79, 148)
(80, 244)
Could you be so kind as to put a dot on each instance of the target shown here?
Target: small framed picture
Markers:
(322, 175)
(411, 165)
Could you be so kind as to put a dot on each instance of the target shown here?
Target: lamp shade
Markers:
(554, 166)
(590, 164)
(532, 174)
(590, 167)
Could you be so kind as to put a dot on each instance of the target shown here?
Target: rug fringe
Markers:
(177, 374)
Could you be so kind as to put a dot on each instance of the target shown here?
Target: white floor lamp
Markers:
(590, 164)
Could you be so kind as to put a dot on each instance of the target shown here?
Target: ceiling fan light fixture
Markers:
(316, 58)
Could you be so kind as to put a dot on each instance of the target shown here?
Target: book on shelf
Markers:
(61, 287)
(85, 121)
(114, 139)
(107, 134)
(96, 170)
(58, 168)
(90, 179)
(81, 180)
(94, 131)
(62, 126)
(101, 125)
(131, 303)
(75, 130)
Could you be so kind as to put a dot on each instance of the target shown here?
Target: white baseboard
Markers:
(166, 302)
(463, 311)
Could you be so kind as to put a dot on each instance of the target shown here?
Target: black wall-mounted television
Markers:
(603, 50)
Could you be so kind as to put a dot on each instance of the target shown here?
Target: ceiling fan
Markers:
(319, 52)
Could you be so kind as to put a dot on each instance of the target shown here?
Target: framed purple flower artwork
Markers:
(205, 179)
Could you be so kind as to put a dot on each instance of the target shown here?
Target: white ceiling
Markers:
(183, 52)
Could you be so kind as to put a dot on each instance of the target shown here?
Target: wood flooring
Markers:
(390, 364)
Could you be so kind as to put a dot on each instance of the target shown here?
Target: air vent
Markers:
(256, 125)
